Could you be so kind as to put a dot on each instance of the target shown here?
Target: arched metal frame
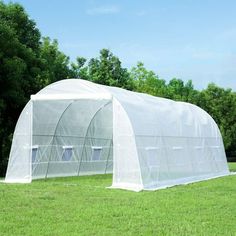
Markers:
(54, 134)
(83, 147)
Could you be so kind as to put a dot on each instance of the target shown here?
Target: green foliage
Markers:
(54, 63)
(221, 105)
(19, 65)
(180, 91)
(16, 18)
(79, 69)
(107, 70)
(147, 81)
(83, 206)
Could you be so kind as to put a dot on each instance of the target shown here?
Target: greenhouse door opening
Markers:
(71, 137)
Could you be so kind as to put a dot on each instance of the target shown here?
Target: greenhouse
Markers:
(75, 127)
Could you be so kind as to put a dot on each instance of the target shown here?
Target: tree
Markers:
(221, 105)
(19, 65)
(79, 69)
(180, 91)
(107, 70)
(55, 65)
(147, 81)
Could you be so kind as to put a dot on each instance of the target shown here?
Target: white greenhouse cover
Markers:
(76, 127)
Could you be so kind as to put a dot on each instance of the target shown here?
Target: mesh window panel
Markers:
(34, 154)
(67, 154)
(96, 153)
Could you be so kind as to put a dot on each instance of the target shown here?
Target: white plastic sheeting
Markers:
(76, 127)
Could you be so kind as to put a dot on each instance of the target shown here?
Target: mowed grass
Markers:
(83, 206)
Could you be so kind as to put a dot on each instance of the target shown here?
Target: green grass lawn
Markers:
(83, 206)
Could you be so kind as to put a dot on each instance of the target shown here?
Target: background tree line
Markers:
(29, 62)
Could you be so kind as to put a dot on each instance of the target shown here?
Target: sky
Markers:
(186, 39)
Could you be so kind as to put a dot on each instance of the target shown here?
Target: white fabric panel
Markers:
(66, 96)
(74, 86)
(98, 134)
(126, 168)
(46, 115)
(153, 142)
(19, 165)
